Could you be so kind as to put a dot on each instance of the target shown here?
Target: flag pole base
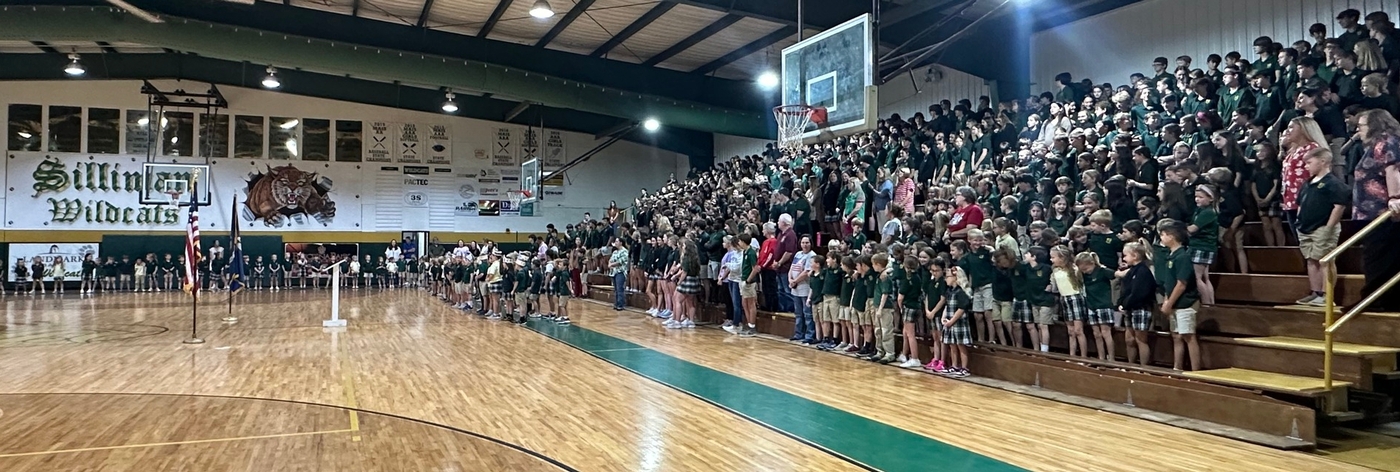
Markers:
(194, 341)
(230, 319)
(335, 323)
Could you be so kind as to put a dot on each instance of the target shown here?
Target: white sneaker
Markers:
(668, 323)
(1308, 300)
(731, 329)
(651, 311)
(688, 324)
(841, 347)
(910, 363)
(902, 359)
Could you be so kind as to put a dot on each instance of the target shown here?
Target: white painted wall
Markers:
(913, 92)
(617, 173)
(727, 146)
(1111, 46)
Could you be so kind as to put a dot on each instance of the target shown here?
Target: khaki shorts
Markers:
(831, 310)
(866, 317)
(1184, 320)
(1317, 244)
(458, 287)
(1001, 311)
(1043, 314)
(748, 290)
(982, 299)
(520, 298)
(845, 314)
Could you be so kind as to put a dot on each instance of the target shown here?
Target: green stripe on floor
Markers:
(861, 439)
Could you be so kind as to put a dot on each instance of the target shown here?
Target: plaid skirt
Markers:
(1272, 209)
(1203, 257)
(689, 285)
(960, 332)
(497, 287)
(1074, 308)
(1021, 312)
(1100, 316)
(912, 315)
(1140, 320)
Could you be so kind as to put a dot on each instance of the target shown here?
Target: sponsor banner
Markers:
(439, 145)
(465, 208)
(488, 207)
(527, 209)
(379, 144)
(553, 194)
(71, 254)
(554, 149)
(529, 145)
(511, 176)
(103, 192)
(503, 151)
(510, 207)
(410, 146)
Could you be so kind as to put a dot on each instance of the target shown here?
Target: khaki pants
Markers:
(884, 329)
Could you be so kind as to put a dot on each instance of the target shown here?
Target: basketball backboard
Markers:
(530, 176)
(169, 184)
(834, 69)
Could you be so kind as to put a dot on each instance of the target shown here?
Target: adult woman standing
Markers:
(904, 191)
(1376, 191)
(968, 214)
(1301, 137)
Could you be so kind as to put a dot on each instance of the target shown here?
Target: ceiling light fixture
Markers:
(541, 10)
(768, 80)
(271, 80)
(290, 124)
(75, 68)
(651, 124)
(450, 106)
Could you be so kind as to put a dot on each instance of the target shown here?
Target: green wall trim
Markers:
(868, 443)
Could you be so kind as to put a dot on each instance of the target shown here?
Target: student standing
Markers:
(1321, 205)
(1070, 285)
(957, 332)
(1135, 302)
(1177, 284)
(1205, 240)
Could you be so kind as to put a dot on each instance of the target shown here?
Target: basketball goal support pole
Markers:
(612, 139)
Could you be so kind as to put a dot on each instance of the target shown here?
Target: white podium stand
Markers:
(335, 321)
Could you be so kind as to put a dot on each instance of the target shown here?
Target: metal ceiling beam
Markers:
(564, 22)
(355, 8)
(495, 17)
(43, 46)
(758, 45)
(637, 25)
(423, 17)
(369, 63)
(692, 40)
(107, 47)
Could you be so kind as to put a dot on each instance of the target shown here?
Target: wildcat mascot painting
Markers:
(286, 195)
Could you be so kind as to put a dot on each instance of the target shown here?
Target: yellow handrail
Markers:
(1329, 267)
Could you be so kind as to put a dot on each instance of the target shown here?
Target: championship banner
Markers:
(530, 145)
(554, 149)
(439, 145)
(503, 151)
(71, 254)
(378, 144)
(410, 149)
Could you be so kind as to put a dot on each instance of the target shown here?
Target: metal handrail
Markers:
(1329, 267)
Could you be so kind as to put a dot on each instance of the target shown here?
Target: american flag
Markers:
(192, 251)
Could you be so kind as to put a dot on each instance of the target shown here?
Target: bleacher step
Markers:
(1266, 381)
(1382, 358)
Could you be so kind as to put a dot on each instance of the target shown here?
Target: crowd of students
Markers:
(513, 287)
(1096, 207)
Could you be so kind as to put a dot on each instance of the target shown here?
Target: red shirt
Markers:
(1295, 175)
(765, 252)
(966, 217)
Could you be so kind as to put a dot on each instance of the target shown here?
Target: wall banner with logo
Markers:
(554, 149)
(410, 146)
(529, 145)
(504, 148)
(72, 255)
(379, 143)
(439, 145)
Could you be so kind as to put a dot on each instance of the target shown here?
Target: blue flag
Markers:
(235, 263)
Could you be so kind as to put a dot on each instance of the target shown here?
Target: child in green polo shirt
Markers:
(816, 279)
(1176, 282)
(864, 344)
(911, 301)
(1039, 308)
(831, 307)
(884, 297)
(1205, 239)
(935, 294)
(1098, 301)
(846, 332)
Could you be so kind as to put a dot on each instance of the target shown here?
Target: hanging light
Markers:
(450, 106)
(271, 80)
(768, 80)
(74, 68)
(541, 10)
(651, 124)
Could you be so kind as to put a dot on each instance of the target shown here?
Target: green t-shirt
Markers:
(1107, 246)
(1176, 266)
(848, 288)
(911, 288)
(522, 281)
(853, 204)
(1207, 237)
(1002, 287)
(978, 265)
(884, 287)
(1035, 279)
(860, 292)
(831, 282)
(935, 290)
(1098, 289)
(750, 260)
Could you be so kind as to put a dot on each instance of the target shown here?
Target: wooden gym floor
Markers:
(105, 383)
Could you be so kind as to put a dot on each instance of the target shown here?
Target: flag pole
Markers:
(233, 242)
(194, 293)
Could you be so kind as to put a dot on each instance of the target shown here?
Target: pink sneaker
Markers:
(934, 365)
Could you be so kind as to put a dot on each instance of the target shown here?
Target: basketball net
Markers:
(793, 121)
